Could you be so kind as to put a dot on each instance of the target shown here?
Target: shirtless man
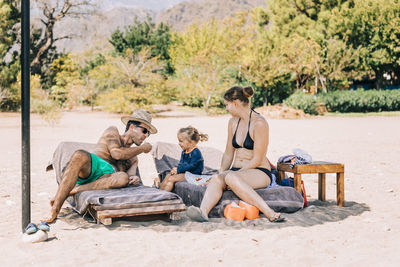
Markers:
(112, 165)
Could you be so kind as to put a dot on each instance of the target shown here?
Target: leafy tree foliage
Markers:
(207, 58)
(145, 34)
(9, 60)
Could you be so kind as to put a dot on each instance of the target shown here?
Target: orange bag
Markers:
(252, 212)
(234, 212)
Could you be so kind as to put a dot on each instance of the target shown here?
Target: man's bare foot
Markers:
(49, 219)
(73, 191)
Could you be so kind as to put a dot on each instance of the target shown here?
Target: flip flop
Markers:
(278, 219)
(44, 226)
(31, 229)
(196, 214)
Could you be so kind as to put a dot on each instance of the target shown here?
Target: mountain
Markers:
(153, 5)
(184, 14)
(114, 14)
(97, 28)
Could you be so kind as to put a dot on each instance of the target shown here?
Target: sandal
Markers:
(31, 229)
(277, 219)
(44, 226)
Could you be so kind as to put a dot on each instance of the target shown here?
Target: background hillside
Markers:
(182, 15)
(112, 15)
(97, 28)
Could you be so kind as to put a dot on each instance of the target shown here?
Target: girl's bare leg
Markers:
(170, 180)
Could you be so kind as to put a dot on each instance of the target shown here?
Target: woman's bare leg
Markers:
(243, 184)
(213, 194)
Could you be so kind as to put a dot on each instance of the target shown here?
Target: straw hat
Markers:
(142, 116)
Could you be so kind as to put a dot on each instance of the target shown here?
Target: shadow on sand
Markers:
(316, 213)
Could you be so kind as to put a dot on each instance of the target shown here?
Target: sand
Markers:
(364, 232)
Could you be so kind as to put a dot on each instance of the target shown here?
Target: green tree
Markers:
(207, 58)
(145, 34)
(374, 27)
(9, 60)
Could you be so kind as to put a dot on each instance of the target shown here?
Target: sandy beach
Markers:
(366, 232)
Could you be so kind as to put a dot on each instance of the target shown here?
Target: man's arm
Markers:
(132, 172)
(117, 151)
(124, 153)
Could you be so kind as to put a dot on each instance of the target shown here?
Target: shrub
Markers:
(194, 102)
(361, 101)
(347, 101)
(305, 102)
(47, 109)
(124, 99)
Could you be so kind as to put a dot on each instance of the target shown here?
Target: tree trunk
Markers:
(44, 48)
(207, 103)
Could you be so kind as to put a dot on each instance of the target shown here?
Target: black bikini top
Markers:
(248, 142)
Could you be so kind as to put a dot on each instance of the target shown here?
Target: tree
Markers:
(374, 27)
(9, 60)
(145, 34)
(206, 58)
(43, 41)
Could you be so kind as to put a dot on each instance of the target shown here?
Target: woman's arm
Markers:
(227, 157)
(261, 140)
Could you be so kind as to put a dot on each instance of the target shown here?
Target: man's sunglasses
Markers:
(144, 130)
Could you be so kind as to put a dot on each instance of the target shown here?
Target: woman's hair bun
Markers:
(248, 91)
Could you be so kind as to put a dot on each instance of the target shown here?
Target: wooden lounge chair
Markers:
(104, 205)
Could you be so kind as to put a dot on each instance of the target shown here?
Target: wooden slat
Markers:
(137, 205)
(105, 221)
(321, 186)
(297, 182)
(281, 177)
(315, 167)
(340, 189)
(140, 211)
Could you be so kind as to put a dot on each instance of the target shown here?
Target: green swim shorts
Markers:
(99, 168)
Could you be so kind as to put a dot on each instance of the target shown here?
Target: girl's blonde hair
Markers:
(193, 134)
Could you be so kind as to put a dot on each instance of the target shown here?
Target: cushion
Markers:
(166, 156)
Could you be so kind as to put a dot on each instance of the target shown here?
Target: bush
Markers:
(347, 101)
(305, 102)
(47, 109)
(361, 101)
(194, 102)
(124, 100)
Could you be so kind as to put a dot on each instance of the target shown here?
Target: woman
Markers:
(246, 147)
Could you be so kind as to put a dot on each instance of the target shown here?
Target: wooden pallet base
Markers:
(104, 214)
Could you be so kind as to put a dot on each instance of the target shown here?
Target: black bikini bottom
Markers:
(264, 170)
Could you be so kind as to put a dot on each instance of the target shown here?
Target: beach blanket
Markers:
(166, 156)
(109, 197)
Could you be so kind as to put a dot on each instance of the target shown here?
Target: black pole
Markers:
(25, 114)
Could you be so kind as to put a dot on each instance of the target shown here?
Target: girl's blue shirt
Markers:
(191, 162)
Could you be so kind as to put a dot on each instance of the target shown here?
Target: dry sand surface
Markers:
(363, 233)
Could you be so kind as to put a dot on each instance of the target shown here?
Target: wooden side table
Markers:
(322, 168)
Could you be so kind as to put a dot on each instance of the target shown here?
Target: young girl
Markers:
(191, 159)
